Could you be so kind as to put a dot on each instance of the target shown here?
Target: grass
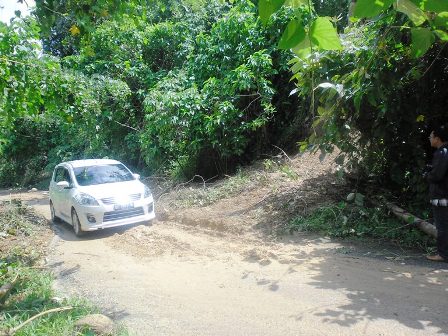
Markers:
(32, 292)
(353, 220)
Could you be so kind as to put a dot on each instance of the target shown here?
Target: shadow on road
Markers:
(414, 296)
(65, 231)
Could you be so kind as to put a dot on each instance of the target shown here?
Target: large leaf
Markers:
(422, 39)
(267, 7)
(436, 6)
(414, 13)
(303, 49)
(370, 8)
(324, 35)
(339, 88)
(293, 35)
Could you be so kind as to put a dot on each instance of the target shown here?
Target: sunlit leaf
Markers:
(422, 39)
(414, 13)
(443, 35)
(267, 7)
(323, 34)
(303, 145)
(370, 8)
(74, 30)
(420, 118)
(338, 87)
(293, 92)
(296, 3)
(293, 35)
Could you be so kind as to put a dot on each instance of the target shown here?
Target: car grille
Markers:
(113, 200)
(121, 214)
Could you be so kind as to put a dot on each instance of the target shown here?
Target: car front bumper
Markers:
(112, 215)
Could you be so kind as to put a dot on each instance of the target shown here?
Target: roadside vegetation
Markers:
(26, 288)
(356, 221)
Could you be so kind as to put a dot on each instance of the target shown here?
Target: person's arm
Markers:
(440, 166)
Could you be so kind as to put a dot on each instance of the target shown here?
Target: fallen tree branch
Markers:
(12, 331)
(423, 225)
(185, 183)
(284, 153)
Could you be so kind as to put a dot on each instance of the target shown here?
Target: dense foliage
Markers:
(377, 88)
(185, 87)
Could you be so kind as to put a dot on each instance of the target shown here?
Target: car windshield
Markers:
(101, 174)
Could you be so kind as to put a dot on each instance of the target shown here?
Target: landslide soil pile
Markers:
(255, 205)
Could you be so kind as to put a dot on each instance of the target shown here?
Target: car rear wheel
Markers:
(76, 224)
(54, 218)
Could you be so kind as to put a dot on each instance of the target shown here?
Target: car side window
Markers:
(59, 175)
(62, 174)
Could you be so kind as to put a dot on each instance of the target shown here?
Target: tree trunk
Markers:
(411, 219)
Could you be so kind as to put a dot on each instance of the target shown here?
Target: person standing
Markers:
(438, 190)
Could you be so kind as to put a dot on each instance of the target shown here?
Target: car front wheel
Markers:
(76, 224)
(54, 218)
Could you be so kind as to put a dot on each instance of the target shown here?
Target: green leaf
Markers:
(267, 7)
(422, 39)
(443, 35)
(293, 35)
(303, 145)
(303, 49)
(441, 20)
(296, 3)
(436, 6)
(414, 13)
(370, 8)
(324, 35)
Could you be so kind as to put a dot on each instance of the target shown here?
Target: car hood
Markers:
(113, 189)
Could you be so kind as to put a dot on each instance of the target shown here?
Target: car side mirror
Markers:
(63, 184)
(137, 176)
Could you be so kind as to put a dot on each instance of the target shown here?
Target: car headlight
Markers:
(147, 192)
(85, 199)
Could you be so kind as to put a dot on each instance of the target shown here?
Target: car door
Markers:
(55, 190)
(62, 195)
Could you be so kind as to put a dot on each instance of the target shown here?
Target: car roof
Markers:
(90, 162)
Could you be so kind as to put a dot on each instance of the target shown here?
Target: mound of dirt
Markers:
(267, 200)
(256, 204)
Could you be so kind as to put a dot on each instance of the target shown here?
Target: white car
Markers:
(98, 194)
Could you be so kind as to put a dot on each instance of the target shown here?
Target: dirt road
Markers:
(175, 278)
